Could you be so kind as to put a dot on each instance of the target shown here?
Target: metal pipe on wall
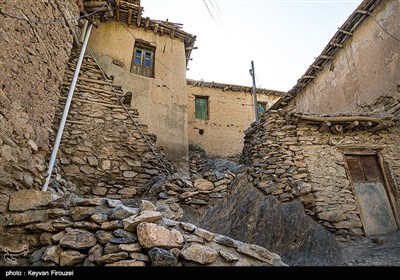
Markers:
(66, 110)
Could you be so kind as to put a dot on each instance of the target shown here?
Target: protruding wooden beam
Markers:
(324, 127)
(325, 56)
(339, 119)
(394, 109)
(307, 77)
(129, 17)
(191, 48)
(317, 67)
(380, 126)
(345, 32)
(361, 12)
(139, 18)
(336, 44)
(337, 129)
(352, 126)
(384, 124)
(117, 13)
(147, 22)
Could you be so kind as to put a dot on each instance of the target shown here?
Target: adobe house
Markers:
(148, 58)
(332, 142)
(219, 113)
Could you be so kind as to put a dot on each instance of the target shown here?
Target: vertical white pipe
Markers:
(66, 110)
(253, 74)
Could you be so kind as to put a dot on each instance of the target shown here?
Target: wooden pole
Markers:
(253, 74)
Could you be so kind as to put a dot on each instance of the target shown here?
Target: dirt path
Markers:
(372, 251)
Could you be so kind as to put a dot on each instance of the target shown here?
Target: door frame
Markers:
(386, 183)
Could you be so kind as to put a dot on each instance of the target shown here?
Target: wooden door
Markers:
(370, 192)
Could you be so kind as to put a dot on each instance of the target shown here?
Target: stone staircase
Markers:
(104, 150)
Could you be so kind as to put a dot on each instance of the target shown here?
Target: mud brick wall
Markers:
(33, 58)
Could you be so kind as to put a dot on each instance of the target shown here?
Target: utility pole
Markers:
(253, 74)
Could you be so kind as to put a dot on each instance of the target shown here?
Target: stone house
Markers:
(332, 141)
(218, 115)
(148, 58)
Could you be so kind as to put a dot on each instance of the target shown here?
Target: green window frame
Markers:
(201, 107)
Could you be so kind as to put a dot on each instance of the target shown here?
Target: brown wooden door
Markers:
(369, 189)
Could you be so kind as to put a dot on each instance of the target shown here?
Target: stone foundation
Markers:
(103, 232)
(292, 160)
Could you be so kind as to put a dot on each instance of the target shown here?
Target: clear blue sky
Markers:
(281, 37)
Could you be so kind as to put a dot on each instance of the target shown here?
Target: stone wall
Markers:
(292, 160)
(32, 61)
(104, 150)
(161, 101)
(275, 159)
(231, 111)
(72, 231)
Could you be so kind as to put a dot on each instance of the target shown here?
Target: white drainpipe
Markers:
(66, 110)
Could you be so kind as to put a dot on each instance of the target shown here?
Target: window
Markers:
(261, 108)
(201, 107)
(143, 59)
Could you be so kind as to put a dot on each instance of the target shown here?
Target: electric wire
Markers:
(51, 22)
(384, 29)
(129, 114)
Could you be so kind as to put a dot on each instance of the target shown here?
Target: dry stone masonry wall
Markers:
(71, 230)
(33, 58)
(102, 150)
(275, 160)
(292, 160)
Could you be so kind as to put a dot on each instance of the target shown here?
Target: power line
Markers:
(215, 10)
(387, 32)
(130, 115)
(51, 22)
(208, 9)
(218, 9)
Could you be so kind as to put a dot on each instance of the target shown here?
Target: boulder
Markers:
(29, 199)
(203, 185)
(78, 239)
(200, 254)
(131, 223)
(162, 257)
(152, 235)
(69, 258)
(248, 215)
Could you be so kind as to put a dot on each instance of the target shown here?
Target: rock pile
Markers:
(103, 145)
(104, 232)
(196, 162)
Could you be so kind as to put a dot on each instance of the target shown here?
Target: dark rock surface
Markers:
(250, 216)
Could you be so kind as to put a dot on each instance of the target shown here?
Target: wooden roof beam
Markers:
(336, 44)
(323, 56)
(346, 32)
(129, 17)
(317, 67)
